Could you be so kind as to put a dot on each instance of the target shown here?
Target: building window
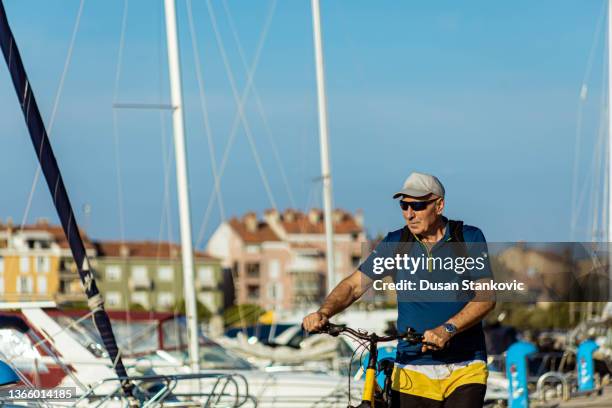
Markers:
(141, 298)
(165, 300)
(41, 284)
(206, 276)
(113, 299)
(139, 273)
(274, 269)
(24, 284)
(113, 273)
(275, 292)
(24, 264)
(252, 249)
(252, 270)
(43, 264)
(1, 264)
(253, 292)
(165, 273)
(140, 277)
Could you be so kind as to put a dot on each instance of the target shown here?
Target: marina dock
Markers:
(594, 401)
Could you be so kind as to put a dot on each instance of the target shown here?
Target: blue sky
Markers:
(483, 94)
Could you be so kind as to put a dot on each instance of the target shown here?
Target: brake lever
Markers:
(335, 329)
(411, 336)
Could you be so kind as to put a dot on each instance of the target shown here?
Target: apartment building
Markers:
(36, 263)
(279, 261)
(149, 274)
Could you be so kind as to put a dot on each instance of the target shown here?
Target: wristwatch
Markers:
(450, 328)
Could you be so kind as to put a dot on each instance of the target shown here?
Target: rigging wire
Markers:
(240, 105)
(597, 163)
(605, 196)
(260, 107)
(166, 152)
(118, 176)
(245, 94)
(597, 169)
(580, 108)
(204, 108)
(56, 103)
(115, 121)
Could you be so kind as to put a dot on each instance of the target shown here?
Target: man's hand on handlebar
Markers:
(435, 339)
(315, 322)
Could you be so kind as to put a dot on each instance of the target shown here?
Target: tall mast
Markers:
(182, 182)
(325, 172)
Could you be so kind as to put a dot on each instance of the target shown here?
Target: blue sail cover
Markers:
(52, 174)
(7, 374)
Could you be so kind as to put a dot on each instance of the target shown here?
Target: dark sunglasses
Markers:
(415, 205)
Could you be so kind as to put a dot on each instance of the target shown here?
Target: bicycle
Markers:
(372, 395)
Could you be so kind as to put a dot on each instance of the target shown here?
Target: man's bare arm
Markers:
(342, 296)
(345, 293)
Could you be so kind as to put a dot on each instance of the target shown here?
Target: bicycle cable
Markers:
(362, 344)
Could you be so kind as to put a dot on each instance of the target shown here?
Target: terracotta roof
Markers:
(261, 231)
(144, 249)
(252, 230)
(56, 231)
(296, 222)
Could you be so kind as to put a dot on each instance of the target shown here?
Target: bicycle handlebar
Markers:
(410, 335)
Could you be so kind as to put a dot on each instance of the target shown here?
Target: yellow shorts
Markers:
(437, 382)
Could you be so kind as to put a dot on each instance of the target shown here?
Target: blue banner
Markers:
(585, 365)
(517, 372)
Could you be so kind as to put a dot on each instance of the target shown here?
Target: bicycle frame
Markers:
(367, 398)
(371, 397)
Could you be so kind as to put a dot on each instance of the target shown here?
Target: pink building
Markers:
(279, 262)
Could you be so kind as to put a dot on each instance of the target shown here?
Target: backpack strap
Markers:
(406, 241)
(456, 236)
(456, 230)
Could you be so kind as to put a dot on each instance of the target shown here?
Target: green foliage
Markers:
(137, 307)
(74, 305)
(204, 314)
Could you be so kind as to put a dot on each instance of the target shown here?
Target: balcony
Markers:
(140, 284)
(301, 263)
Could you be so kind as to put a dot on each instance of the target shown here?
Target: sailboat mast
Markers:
(178, 128)
(324, 143)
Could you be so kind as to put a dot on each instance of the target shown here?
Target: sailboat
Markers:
(167, 377)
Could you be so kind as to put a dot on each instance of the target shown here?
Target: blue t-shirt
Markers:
(415, 309)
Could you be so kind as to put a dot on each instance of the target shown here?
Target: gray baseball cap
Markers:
(420, 185)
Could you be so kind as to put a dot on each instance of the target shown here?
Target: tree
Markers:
(136, 307)
(203, 313)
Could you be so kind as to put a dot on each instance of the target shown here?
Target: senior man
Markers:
(450, 370)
